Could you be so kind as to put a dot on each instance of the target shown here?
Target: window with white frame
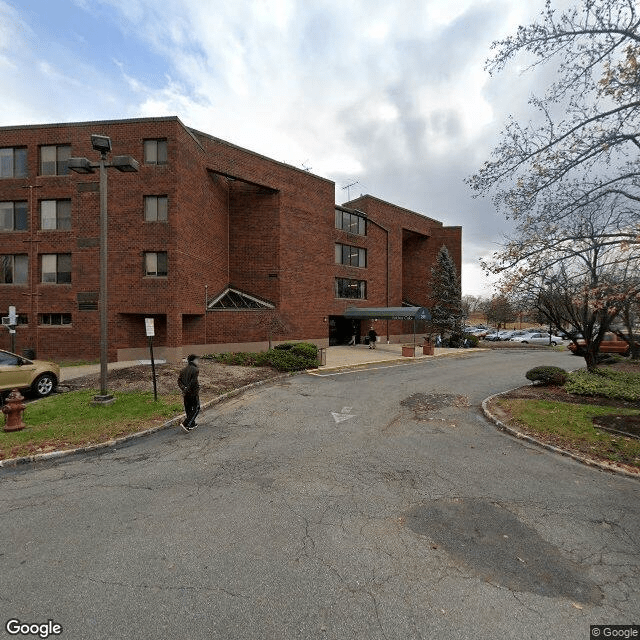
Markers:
(14, 269)
(351, 256)
(14, 216)
(156, 208)
(55, 215)
(54, 160)
(348, 288)
(13, 162)
(155, 152)
(56, 268)
(155, 264)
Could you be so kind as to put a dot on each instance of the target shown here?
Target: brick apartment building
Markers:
(213, 241)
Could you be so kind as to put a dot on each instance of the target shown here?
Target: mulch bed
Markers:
(215, 378)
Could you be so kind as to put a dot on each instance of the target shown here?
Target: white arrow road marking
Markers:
(343, 415)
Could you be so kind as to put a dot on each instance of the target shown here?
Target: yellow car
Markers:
(17, 372)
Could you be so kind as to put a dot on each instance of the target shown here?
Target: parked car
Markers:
(17, 372)
(611, 343)
(538, 338)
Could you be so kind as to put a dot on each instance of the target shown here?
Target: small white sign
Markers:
(12, 315)
(148, 323)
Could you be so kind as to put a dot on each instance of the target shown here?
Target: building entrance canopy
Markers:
(388, 313)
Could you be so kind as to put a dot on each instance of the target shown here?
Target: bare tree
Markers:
(471, 304)
(499, 310)
(629, 317)
(273, 324)
(588, 129)
(575, 276)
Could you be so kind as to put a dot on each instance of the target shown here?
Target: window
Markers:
(233, 299)
(155, 264)
(55, 319)
(56, 268)
(54, 160)
(155, 152)
(13, 162)
(55, 215)
(14, 269)
(352, 256)
(351, 223)
(8, 359)
(346, 288)
(156, 208)
(13, 216)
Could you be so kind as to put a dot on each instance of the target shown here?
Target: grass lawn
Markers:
(570, 426)
(68, 420)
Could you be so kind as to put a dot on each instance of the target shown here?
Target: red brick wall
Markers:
(235, 217)
(254, 232)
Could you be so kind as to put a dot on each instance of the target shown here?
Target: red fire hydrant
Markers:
(13, 409)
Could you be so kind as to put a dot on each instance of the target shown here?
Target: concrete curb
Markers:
(590, 462)
(109, 444)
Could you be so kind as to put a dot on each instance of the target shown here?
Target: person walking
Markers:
(352, 342)
(373, 336)
(190, 387)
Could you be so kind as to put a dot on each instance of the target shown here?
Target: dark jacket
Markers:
(373, 335)
(188, 380)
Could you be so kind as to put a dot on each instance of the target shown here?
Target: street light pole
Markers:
(125, 164)
(104, 396)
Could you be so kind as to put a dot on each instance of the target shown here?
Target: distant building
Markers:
(213, 241)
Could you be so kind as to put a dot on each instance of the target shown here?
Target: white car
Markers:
(538, 338)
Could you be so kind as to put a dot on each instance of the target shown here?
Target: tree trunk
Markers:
(591, 359)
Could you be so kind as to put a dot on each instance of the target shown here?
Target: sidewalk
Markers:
(342, 357)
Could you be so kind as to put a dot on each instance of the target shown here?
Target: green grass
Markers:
(68, 420)
(569, 426)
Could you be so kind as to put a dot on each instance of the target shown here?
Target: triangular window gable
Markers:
(232, 299)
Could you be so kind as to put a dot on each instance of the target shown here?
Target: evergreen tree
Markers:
(446, 312)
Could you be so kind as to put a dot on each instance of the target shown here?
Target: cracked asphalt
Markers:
(373, 504)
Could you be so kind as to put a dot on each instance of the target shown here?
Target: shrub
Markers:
(473, 340)
(285, 346)
(305, 349)
(547, 375)
(620, 385)
(290, 356)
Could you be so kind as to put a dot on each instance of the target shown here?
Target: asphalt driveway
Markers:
(369, 504)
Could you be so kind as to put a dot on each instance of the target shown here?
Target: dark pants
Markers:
(191, 408)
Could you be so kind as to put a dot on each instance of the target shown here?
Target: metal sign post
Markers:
(149, 326)
(11, 321)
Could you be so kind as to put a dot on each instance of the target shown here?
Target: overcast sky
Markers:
(389, 95)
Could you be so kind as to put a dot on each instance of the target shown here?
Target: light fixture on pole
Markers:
(124, 164)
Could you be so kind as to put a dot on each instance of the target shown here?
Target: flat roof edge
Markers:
(257, 155)
(392, 204)
(84, 123)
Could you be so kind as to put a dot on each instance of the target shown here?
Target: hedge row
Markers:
(290, 356)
